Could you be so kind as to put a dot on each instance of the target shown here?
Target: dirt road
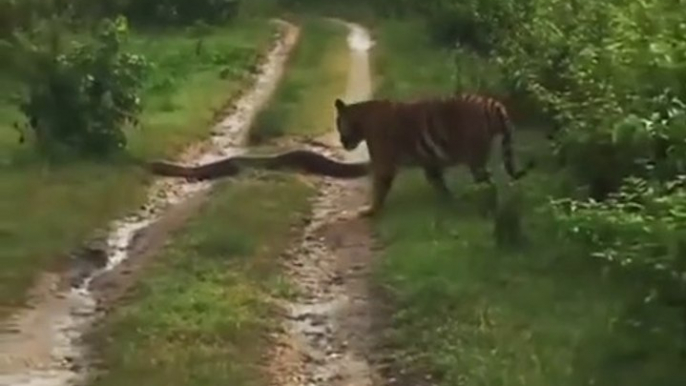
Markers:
(325, 339)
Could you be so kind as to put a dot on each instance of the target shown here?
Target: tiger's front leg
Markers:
(381, 185)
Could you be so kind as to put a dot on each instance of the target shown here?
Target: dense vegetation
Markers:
(25, 14)
(473, 312)
(83, 82)
(607, 79)
(611, 78)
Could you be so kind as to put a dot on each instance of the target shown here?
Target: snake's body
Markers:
(300, 160)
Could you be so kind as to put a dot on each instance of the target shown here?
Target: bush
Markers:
(641, 229)
(180, 12)
(79, 98)
(614, 68)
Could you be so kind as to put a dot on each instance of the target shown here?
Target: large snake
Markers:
(301, 160)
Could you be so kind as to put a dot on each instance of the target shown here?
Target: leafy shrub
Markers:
(79, 98)
(610, 76)
(641, 228)
(627, 144)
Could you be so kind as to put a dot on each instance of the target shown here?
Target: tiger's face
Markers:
(348, 131)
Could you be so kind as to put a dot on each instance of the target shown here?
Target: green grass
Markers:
(474, 314)
(396, 74)
(317, 74)
(45, 211)
(199, 315)
(409, 65)
(206, 82)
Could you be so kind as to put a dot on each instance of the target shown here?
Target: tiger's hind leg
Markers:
(488, 198)
(434, 175)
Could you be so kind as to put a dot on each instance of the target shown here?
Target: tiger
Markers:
(432, 133)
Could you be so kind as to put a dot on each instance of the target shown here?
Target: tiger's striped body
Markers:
(432, 133)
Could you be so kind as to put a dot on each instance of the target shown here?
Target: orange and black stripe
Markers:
(432, 142)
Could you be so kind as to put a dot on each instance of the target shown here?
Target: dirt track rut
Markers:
(325, 338)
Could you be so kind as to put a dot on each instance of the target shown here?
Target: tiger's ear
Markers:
(340, 105)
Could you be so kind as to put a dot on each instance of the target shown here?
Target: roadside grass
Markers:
(45, 211)
(199, 314)
(409, 65)
(317, 74)
(405, 64)
(473, 314)
(188, 89)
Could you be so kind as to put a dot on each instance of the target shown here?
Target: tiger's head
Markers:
(349, 131)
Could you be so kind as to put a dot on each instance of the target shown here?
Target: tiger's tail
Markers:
(507, 130)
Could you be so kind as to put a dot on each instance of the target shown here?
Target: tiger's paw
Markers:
(366, 212)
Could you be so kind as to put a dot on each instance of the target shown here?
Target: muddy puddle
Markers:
(41, 345)
(325, 339)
